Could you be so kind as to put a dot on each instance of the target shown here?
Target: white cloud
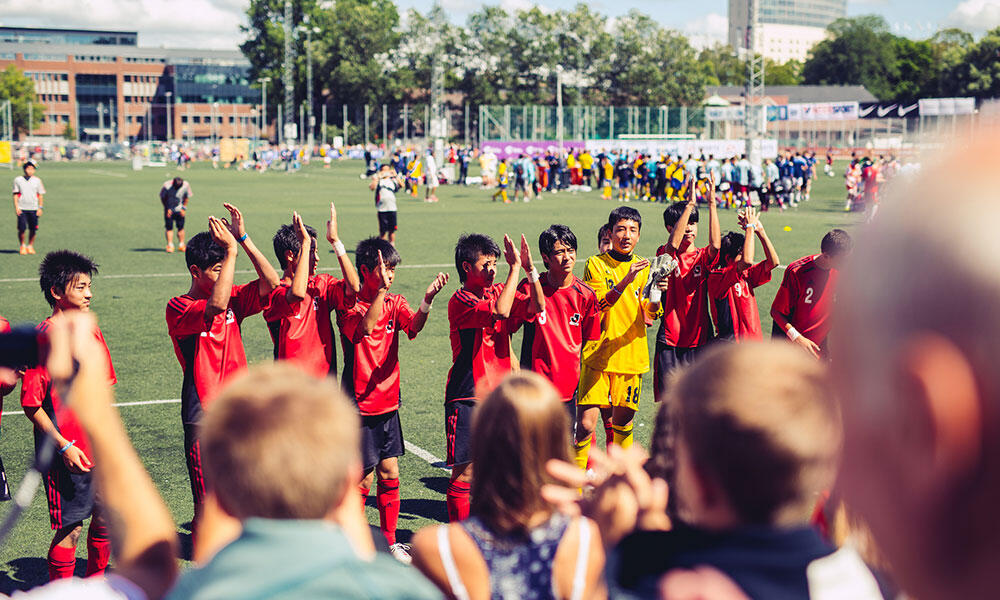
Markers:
(177, 23)
(975, 15)
(707, 30)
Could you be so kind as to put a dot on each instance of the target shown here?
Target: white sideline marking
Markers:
(108, 173)
(150, 275)
(410, 446)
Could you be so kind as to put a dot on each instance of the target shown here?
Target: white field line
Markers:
(108, 173)
(410, 446)
(151, 275)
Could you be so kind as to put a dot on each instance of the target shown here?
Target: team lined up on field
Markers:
(588, 337)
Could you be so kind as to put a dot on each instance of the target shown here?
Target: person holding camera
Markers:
(385, 184)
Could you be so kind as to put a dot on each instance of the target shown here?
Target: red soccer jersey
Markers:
(554, 338)
(806, 297)
(480, 343)
(4, 389)
(371, 364)
(209, 355)
(37, 391)
(734, 305)
(686, 322)
(303, 332)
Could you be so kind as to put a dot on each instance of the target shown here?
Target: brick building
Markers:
(106, 87)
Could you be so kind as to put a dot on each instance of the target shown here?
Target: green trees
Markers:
(20, 90)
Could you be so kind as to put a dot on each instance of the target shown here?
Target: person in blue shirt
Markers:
(799, 168)
(786, 171)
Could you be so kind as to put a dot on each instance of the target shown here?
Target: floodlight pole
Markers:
(169, 125)
(754, 115)
(286, 76)
(559, 107)
(311, 119)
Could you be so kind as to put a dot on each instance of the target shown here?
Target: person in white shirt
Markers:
(432, 177)
(29, 195)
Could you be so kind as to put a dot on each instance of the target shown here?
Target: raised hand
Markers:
(221, 233)
(436, 286)
(382, 273)
(236, 226)
(331, 225)
(300, 228)
(510, 254)
(526, 261)
(634, 270)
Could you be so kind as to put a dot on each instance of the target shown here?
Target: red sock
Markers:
(62, 562)
(98, 548)
(609, 436)
(458, 501)
(388, 508)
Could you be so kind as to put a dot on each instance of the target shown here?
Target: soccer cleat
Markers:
(23, 249)
(170, 247)
(401, 552)
(31, 249)
(182, 247)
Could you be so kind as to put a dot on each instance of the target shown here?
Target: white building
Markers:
(787, 29)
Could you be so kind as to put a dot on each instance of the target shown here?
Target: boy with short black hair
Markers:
(686, 325)
(732, 282)
(298, 315)
(371, 372)
(65, 278)
(611, 375)
(553, 339)
(29, 198)
(802, 306)
(481, 316)
(204, 325)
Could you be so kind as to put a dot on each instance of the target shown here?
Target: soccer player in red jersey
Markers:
(480, 327)
(686, 326)
(65, 279)
(732, 282)
(371, 373)
(204, 325)
(298, 314)
(8, 381)
(802, 306)
(553, 339)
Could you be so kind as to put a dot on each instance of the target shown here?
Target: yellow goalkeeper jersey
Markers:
(622, 347)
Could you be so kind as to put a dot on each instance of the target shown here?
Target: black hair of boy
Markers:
(555, 233)
(672, 214)
(58, 270)
(732, 245)
(836, 243)
(470, 247)
(285, 240)
(624, 213)
(604, 231)
(367, 251)
(203, 252)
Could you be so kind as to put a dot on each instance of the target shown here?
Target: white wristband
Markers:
(533, 275)
(425, 307)
(793, 334)
(339, 248)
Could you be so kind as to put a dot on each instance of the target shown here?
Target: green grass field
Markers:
(113, 214)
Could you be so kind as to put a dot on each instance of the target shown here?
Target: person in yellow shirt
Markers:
(414, 171)
(611, 374)
(609, 178)
(587, 166)
(501, 183)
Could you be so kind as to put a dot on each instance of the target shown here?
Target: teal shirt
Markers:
(299, 559)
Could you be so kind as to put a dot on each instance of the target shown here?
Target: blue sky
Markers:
(215, 23)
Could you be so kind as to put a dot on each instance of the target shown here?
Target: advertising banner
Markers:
(875, 110)
(947, 107)
(823, 111)
(511, 149)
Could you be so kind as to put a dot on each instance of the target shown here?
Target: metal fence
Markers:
(541, 122)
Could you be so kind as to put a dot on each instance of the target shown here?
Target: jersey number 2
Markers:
(809, 296)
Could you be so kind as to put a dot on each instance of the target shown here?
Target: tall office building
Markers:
(788, 29)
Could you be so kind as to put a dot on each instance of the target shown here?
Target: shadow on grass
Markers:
(437, 484)
(160, 249)
(5, 251)
(26, 573)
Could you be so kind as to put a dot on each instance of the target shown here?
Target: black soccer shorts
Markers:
(27, 220)
(381, 438)
(386, 222)
(458, 431)
(175, 218)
